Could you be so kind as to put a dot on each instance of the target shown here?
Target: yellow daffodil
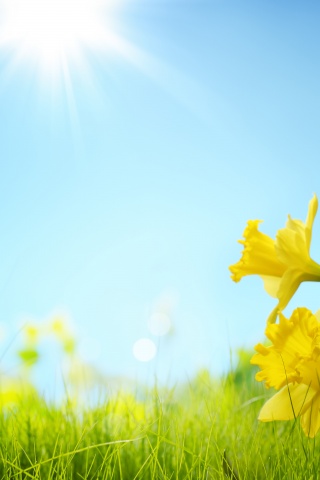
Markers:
(292, 366)
(282, 263)
(59, 327)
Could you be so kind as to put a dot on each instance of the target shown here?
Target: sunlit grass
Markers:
(206, 429)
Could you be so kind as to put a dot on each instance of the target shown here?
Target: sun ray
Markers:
(55, 42)
(51, 42)
(47, 33)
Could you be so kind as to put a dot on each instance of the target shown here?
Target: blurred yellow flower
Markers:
(292, 364)
(14, 391)
(32, 333)
(282, 263)
(58, 326)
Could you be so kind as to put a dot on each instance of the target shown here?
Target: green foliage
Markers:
(205, 430)
(244, 372)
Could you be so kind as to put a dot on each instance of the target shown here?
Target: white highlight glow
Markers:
(144, 350)
(159, 324)
(52, 32)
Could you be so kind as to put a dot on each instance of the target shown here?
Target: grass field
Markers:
(206, 429)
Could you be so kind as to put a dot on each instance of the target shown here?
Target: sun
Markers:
(50, 34)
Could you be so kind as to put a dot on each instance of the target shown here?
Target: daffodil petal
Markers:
(312, 211)
(271, 284)
(291, 245)
(290, 402)
(288, 286)
(273, 316)
(310, 420)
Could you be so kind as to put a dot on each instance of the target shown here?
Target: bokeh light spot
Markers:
(144, 350)
(159, 324)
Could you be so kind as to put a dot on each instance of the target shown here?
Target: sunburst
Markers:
(50, 35)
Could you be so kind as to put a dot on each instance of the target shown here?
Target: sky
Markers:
(129, 167)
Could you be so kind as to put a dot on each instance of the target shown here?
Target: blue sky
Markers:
(132, 183)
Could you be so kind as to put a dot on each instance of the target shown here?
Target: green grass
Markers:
(204, 430)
